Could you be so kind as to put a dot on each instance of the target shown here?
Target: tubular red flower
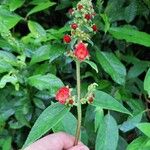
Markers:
(94, 27)
(88, 16)
(74, 26)
(63, 94)
(67, 38)
(81, 52)
(80, 6)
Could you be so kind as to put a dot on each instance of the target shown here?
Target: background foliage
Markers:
(33, 66)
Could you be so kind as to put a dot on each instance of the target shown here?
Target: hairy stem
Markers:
(79, 111)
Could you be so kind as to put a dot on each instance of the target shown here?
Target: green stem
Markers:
(78, 103)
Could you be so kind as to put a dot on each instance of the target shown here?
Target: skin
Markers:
(57, 141)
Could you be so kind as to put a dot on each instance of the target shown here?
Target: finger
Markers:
(55, 141)
(79, 147)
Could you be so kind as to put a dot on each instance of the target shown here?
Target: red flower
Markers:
(94, 27)
(67, 38)
(62, 95)
(88, 16)
(74, 26)
(80, 6)
(81, 51)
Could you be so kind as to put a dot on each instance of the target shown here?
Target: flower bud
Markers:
(91, 99)
(67, 38)
(74, 26)
(88, 16)
(80, 6)
(94, 27)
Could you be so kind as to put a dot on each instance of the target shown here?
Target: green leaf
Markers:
(7, 144)
(145, 128)
(69, 127)
(46, 121)
(106, 21)
(130, 11)
(130, 35)
(21, 118)
(99, 114)
(106, 101)
(8, 57)
(8, 18)
(43, 82)
(41, 6)
(48, 53)
(107, 137)
(141, 143)
(147, 82)
(131, 123)
(5, 67)
(41, 54)
(92, 64)
(14, 4)
(136, 70)
(112, 65)
(122, 144)
(39, 103)
(36, 29)
(8, 79)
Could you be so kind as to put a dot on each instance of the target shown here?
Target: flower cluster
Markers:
(82, 28)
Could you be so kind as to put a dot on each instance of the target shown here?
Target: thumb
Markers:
(79, 147)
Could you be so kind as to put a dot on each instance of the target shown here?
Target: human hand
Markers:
(57, 141)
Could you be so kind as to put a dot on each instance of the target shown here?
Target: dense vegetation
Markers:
(33, 65)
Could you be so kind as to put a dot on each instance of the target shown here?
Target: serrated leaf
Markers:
(92, 64)
(41, 6)
(107, 137)
(46, 121)
(112, 65)
(106, 101)
(130, 35)
(43, 82)
(147, 82)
